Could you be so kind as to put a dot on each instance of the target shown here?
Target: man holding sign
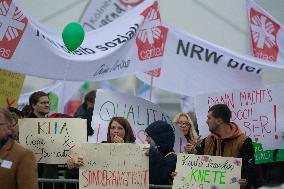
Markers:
(227, 140)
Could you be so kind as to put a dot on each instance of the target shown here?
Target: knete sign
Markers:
(195, 171)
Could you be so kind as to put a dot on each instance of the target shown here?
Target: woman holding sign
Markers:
(185, 124)
(119, 131)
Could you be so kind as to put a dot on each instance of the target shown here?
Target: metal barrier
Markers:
(74, 183)
(44, 183)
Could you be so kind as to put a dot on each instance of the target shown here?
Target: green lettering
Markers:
(222, 176)
(193, 172)
(206, 173)
(200, 175)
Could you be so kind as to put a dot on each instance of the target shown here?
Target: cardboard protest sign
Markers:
(180, 141)
(194, 171)
(114, 166)
(259, 112)
(280, 155)
(10, 88)
(51, 139)
(139, 112)
(260, 155)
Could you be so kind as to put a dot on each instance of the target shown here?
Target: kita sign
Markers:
(152, 35)
(11, 33)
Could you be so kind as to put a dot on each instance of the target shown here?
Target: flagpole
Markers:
(134, 85)
(151, 88)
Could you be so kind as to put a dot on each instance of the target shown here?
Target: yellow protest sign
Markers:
(10, 88)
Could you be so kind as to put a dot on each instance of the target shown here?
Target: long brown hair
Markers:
(129, 135)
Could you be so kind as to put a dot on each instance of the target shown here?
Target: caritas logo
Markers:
(130, 3)
(263, 35)
(151, 37)
(12, 27)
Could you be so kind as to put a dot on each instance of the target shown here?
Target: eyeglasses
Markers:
(182, 123)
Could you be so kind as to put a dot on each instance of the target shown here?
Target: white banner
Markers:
(133, 42)
(192, 66)
(139, 112)
(212, 172)
(99, 13)
(259, 112)
(267, 34)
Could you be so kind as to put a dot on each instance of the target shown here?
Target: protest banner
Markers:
(260, 155)
(10, 88)
(196, 171)
(259, 112)
(139, 112)
(99, 13)
(114, 166)
(51, 139)
(121, 48)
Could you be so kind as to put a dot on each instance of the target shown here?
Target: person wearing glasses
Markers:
(185, 124)
(18, 169)
(40, 107)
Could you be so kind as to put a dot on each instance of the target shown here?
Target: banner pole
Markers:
(151, 88)
(134, 85)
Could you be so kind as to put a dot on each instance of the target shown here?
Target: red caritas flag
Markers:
(11, 33)
(266, 34)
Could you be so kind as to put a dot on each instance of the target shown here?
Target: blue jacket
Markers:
(162, 158)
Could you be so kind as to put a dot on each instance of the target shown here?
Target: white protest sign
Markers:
(139, 112)
(114, 166)
(180, 141)
(259, 112)
(120, 48)
(52, 139)
(213, 172)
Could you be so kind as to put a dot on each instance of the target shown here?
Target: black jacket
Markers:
(162, 158)
(84, 113)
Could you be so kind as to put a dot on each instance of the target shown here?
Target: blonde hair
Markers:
(191, 132)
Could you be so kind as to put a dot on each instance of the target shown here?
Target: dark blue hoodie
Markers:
(162, 159)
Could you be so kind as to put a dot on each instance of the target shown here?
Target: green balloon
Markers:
(73, 36)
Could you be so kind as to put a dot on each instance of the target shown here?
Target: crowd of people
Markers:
(19, 169)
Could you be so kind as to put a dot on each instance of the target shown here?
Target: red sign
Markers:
(263, 32)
